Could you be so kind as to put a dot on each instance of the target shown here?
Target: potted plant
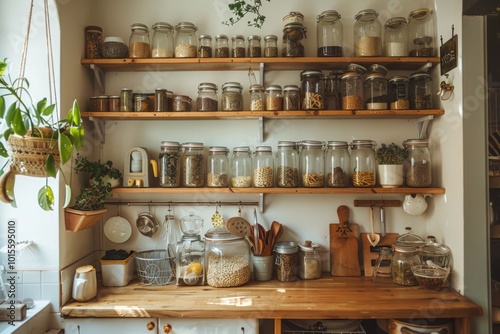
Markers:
(390, 160)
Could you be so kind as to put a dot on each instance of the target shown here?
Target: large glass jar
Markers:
(421, 33)
(254, 47)
(271, 46)
(257, 98)
(170, 164)
(138, 46)
(309, 260)
(238, 46)
(367, 34)
(396, 37)
(227, 258)
(312, 163)
(337, 164)
(286, 260)
(186, 42)
(419, 166)
(351, 87)
(232, 99)
(162, 45)
(274, 98)
(207, 97)
(221, 46)
(292, 46)
(287, 164)
(205, 46)
(363, 163)
(217, 167)
(291, 98)
(329, 34)
(93, 42)
(376, 88)
(420, 91)
(398, 88)
(333, 94)
(262, 164)
(241, 167)
(403, 258)
(193, 167)
(190, 252)
(312, 90)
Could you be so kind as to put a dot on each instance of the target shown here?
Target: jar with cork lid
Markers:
(367, 34)
(139, 46)
(309, 260)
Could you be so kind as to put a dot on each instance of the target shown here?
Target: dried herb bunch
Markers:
(241, 8)
(391, 154)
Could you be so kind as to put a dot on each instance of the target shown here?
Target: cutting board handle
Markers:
(343, 214)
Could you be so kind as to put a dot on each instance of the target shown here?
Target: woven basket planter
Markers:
(29, 155)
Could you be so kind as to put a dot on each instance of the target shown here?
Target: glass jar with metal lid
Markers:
(186, 42)
(207, 97)
(193, 167)
(270, 46)
(419, 165)
(312, 163)
(138, 46)
(217, 167)
(181, 103)
(291, 98)
(309, 260)
(363, 163)
(396, 37)
(351, 87)
(257, 98)
(287, 164)
(337, 164)
(232, 99)
(205, 46)
(190, 252)
(286, 260)
(221, 46)
(329, 34)
(238, 46)
(367, 34)
(262, 164)
(170, 164)
(241, 167)
(160, 103)
(227, 258)
(312, 90)
(420, 91)
(162, 44)
(274, 98)
(421, 33)
(376, 87)
(293, 34)
(254, 47)
(398, 88)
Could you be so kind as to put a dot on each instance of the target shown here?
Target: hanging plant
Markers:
(241, 8)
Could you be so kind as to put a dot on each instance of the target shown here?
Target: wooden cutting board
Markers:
(370, 253)
(344, 236)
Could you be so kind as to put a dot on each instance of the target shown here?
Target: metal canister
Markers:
(286, 261)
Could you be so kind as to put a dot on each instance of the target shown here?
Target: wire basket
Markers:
(29, 155)
(154, 267)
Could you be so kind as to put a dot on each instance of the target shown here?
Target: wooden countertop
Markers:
(326, 298)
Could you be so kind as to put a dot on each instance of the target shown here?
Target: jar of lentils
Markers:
(271, 46)
(287, 164)
(221, 46)
(217, 167)
(286, 261)
(139, 46)
(170, 164)
(262, 164)
(232, 99)
(363, 163)
(312, 90)
(241, 167)
(419, 167)
(207, 97)
(352, 87)
(238, 44)
(291, 98)
(254, 47)
(257, 98)
(205, 46)
(338, 162)
(162, 45)
(274, 98)
(312, 163)
(193, 167)
(186, 42)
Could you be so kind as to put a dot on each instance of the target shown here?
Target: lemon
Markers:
(195, 268)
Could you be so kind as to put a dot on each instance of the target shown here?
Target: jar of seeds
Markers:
(274, 98)
(232, 99)
(286, 261)
(338, 162)
(241, 167)
(367, 34)
(399, 93)
(291, 98)
(207, 97)
(293, 34)
(262, 165)
(351, 86)
(186, 43)
(221, 46)
(254, 47)
(287, 164)
(312, 90)
(93, 42)
(205, 46)
(139, 41)
(217, 167)
(420, 91)
(271, 46)
(193, 167)
(238, 43)
(170, 164)
(363, 164)
(312, 163)
(162, 45)
(257, 98)
(419, 167)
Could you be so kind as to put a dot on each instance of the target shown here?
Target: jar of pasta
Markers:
(312, 90)
(287, 164)
(262, 164)
(274, 98)
(139, 41)
(193, 167)
(312, 163)
(186, 42)
(363, 163)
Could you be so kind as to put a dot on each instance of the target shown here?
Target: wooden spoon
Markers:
(373, 237)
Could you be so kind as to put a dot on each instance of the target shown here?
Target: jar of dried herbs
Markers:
(419, 167)
(169, 164)
(286, 261)
(287, 164)
(193, 167)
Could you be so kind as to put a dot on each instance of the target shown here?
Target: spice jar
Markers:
(241, 167)
(193, 168)
(205, 46)
(190, 252)
(312, 163)
(396, 37)
(421, 33)
(217, 167)
(257, 98)
(351, 86)
(254, 48)
(376, 88)
(182, 103)
(363, 163)
(291, 98)
(221, 46)
(227, 258)
(271, 46)
(338, 162)
(238, 46)
(286, 260)
(399, 93)
(114, 103)
(262, 165)
(287, 164)
(419, 166)
(232, 100)
(141, 102)
(309, 261)
(160, 100)
(367, 34)
(162, 44)
(329, 34)
(138, 46)
(93, 42)
(186, 43)
(207, 97)
(420, 91)
(292, 46)
(114, 47)
(101, 103)
(170, 164)
(312, 90)
(126, 100)
(274, 98)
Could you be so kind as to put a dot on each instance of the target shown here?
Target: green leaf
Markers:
(40, 106)
(7, 133)
(68, 196)
(10, 113)
(77, 134)
(18, 122)
(46, 198)
(2, 106)
(76, 116)
(49, 110)
(50, 166)
(3, 67)
(3, 151)
(65, 148)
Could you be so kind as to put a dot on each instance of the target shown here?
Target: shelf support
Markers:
(261, 74)
(98, 77)
(99, 128)
(422, 124)
(261, 129)
(261, 203)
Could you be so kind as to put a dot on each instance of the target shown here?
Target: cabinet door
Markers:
(111, 326)
(208, 326)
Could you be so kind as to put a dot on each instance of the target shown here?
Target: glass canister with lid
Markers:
(329, 34)
(162, 45)
(398, 89)
(241, 167)
(232, 99)
(333, 95)
(190, 252)
(263, 164)
(367, 34)
(435, 259)
(420, 91)
(257, 98)
(396, 37)
(337, 164)
(291, 98)
(352, 88)
(139, 46)
(170, 164)
(193, 167)
(254, 47)
(238, 46)
(405, 255)
(274, 98)
(205, 46)
(221, 46)
(287, 164)
(376, 87)
(217, 167)
(293, 34)
(421, 33)
(363, 163)
(309, 260)
(312, 90)
(207, 97)
(186, 42)
(270, 46)
(286, 260)
(419, 164)
(312, 163)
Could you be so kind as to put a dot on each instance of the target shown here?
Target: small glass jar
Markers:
(337, 164)
(271, 46)
(309, 260)
(93, 42)
(398, 88)
(396, 37)
(274, 98)
(291, 98)
(138, 46)
(367, 34)
(114, 103)
(227, 258)
(421, 33)
(217, 167)
(376, 88)
(420, 91)
(293, 34)
(254, 47)
(169, 164)
(363, 163)
(312, 90)
(232, 99)
(205, 46)
(238, 46)
(190, 260)
(221, 46)
(162, 45)
(207, 97)
(287, 163)
(257, 98)
(126, 100)
(182, 103)
(160, 100)
(312, 163)
(419, 164)
(286, 260)
(262, 164)
(403, 258)
(329, 34)
(193, 167)
(141, 102)
(241, 167)
(382, 267)
(352, 88)
(186, 42)
(102, 103)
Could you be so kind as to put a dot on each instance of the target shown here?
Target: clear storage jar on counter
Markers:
(376, 88)
(396, 37)
(286, 260)
(329, 34)
(162, 44)
(351, 87)
(367, 34)
(337, 164)
(257, 98)
(262, 164)
(170, 164)
(93, 42)
(232, 99)
(274, 98)
(403, 258)
(238, 46)
(190, 252)
(241, 167)
(398, 88)
(221, 46)
(217, 167)
(438, 259)
(312, 163)
(291, 98)
(138, 46)
(205, 46)
(207, 97)
(420, 91)
(186, 42)
(421, 33)
(287, 163)
(293, 34)
(193, 167)
(312, 90)
(419, 165)
(270, 46)
(363, 164)
(227, 258)
(309, 260)
(254, 47)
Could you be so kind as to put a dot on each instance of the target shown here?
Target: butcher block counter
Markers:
(326, 298)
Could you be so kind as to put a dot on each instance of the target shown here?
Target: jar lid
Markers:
(356, 68)
(191, 224)
(268, 37)
(160, 90)
(102, 97)
(116, 39)
(374, 75)
(309, 73)
(93, 28)
(395, 23)
(182, 97)
(263, 149)
(286, 247)
(162, 25)
(114, 97)
(420, 74)
(256, 88)
(232, 84)
(254, 37)
(409, 241)
(241, 149)
(295, 26)
(205, 36)
(293, 17)
(191, 237)
(328, 14)
(220, 234)
(291, 87)
(377, 68)
(126, 89)
(366, 15)
(419, 14)
(398, 78)
(363, 143)
(416, 142)
(287, 143)
(193, 145)
(312, 143)
(185, 25)
(214, 149)
(350, 75)
(221, 36)
(207, 85)
(433, 248)
(139, 26)
(308, 246)
(273, 88)
(235, 37)
(337, 144)
(165, 143)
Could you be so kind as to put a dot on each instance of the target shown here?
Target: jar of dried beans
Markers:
(312, 90)
(207, 97)
(274, 98)
(93, 42)
(419, 166)
(351, 87)
(186, 42)
(205, 46)
(287, 164)
(139, 41)
(232, 99)
(241, 167)
(338, 162)
(238, 44)
(162, 44)
(254, 47)
(292, 46)
(271, 46)
(312, 163)
(262, 164)
(399, 93)
(367, 34)
(257, 98)
(217, 167)
(193, 167)
(170, 164)
(363, 163)
(221, 46)
(286, 261)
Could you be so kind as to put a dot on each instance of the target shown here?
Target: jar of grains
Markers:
(419, 166)
(238, 44)
(221, 46)
(312, 90)
(329, 34)
(292, 46)
(367, 34)
(363, 163)
(207, 97)
(421, 33)
(396, 37)
(271, 46)
(160, 100)
(337, 164)
(205, 46)
(420, 91)
(399, 93)
(170, 164)
(186, 43)
(126, 100)
(182, 103)
(312, 163)
(291, 97)
(193, 168)
(217, 167)
(241, 167)
(257, 98)
(162, 44)
(403, 258)
(376, 88)
(274, 98)
(138, 46)
(93, 42)
(254, 47)
(352, 87)
(232, 99)
(262, 165)
(286, 260)
(309, 260)
(287, 164)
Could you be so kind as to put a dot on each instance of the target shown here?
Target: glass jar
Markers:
(93, 42)
(186, 42)
(421, 33)
(102, 103)
(126, 100)
(221, 46)
(399, 93)
(160, 100)
(396, 37)
(138, 46)
(238, 46)
(169, 164)
(376, 88)
(193, 168)
(420, 91)
(257, 98)
(312, 163)
(286, 260)
(309, 260)
(351, 87)
(182, 103)
(114, 47)
(162, 45)
(403, 258)
(338, 162)
(363, 163)
(141, 102)
(262, 164)
(367, 34)
(227, 258)
(241, 167)
(333, 92)
(329, 34)
(254, 47)
(271, 46)
(382, 267)
(312, 90)
(274, 98)
(287, 164)
(170, 100)
(293, 34)
(207, 97)
(419, 165)
(291, 98)
(205, 46)
(217, 167)
(190, 260)
(232, 99)
(114, 103)
(434, 253)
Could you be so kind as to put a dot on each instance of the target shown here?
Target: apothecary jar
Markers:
(186, 41)
(367, 34)
(363, 164)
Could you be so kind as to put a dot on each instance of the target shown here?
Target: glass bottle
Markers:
(376, 88)
(190, 252)
(292, 46)
(257, 98)
(398, 88)
(421, 33)
(217, 167)
(309, 260)
(193, 167)
(93, 42)
(287, 164)
(262, 164)
(367, 34)
(169, 164)
(221, 46)
(312, 163)
(312, 90)
(254, 47)
(186, 42)
(232, 99)
(419, 164)
(271, 46)
(291, 98)
(207, 97)
(329, 34)
(396, 37)
(205, 46)
(274, 98)
(420, 91)
(363, 163)
(138, 46)
(286, 260)
(337, 164)
(238, 46)
(162, 44)
(351, 86)
(241, 167)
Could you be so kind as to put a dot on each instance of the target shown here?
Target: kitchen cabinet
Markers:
(112, 325)
(206, 326)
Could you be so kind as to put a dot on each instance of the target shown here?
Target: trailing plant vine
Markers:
(241, 8)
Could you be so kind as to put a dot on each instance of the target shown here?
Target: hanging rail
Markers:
(175, 203)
